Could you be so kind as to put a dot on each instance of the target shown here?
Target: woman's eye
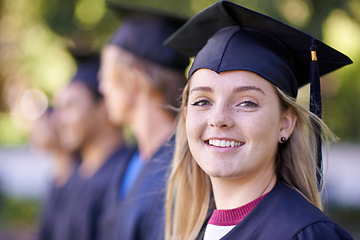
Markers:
(249, 104)
(201, 102)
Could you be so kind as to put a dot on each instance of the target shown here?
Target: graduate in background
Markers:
(242, 136)
(86, 130)
(45, 136)
(141, 81)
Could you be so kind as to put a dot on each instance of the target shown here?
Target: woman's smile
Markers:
(224, 143)
(233, 122)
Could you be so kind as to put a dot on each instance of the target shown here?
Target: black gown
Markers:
(111, 207)
(141, 214)
(285, 214)
(80, 204)
(53, 213)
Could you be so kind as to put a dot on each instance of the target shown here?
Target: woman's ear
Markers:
(288, 122)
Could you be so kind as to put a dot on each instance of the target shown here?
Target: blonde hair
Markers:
(189, 188)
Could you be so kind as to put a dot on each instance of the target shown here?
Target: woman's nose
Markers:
(221, 117)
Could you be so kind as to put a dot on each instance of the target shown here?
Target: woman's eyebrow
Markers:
(248, 88)
(238, 89)
(201, 89)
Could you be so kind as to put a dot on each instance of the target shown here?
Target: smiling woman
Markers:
(234, 107)
(242, 142)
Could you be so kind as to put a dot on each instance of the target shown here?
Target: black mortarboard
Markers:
(143, 32)
(88, 66)
(226, 37)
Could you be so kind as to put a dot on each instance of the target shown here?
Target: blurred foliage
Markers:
(18, 213)
(35, 36)
(347, 217)
(180, 9)
(10, 133)
(85, 22)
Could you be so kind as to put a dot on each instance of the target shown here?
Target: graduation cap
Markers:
(143, 32)
(88, 66)
(226, 37)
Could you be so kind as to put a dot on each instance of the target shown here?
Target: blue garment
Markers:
(82, 204)
(54, 211)
(132, 172)
(140, 215)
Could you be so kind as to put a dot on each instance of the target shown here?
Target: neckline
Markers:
(231, 217)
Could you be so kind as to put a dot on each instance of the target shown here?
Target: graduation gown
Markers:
(285, 214)
(107, 225)
(52, 219)
(82, 202)
(140, 215)
(87, 204)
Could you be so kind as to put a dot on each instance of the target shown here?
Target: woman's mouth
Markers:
(223, 143)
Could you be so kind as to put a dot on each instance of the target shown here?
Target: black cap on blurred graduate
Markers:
(143, 32)
(226, 37)
(88, 66)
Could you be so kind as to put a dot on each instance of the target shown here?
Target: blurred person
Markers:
(85, 129)
(141, 81)
(242, 137)
(45, 137)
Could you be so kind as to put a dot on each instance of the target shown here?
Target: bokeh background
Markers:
(35, 64)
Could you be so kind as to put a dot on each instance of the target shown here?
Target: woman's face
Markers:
(233, 123)
(115, 87)
(77, 111)
(44, 134)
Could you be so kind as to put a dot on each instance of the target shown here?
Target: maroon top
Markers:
(232, 217)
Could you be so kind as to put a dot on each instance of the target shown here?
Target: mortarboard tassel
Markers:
(316, 108)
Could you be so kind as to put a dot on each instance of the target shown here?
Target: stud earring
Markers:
(283, 139)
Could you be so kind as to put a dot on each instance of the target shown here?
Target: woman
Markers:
(140, 80)
(45, 136)
(241, 137)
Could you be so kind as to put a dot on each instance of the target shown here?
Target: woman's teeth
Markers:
(224, 143)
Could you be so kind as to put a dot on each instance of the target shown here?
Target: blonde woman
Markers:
(242, 140)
